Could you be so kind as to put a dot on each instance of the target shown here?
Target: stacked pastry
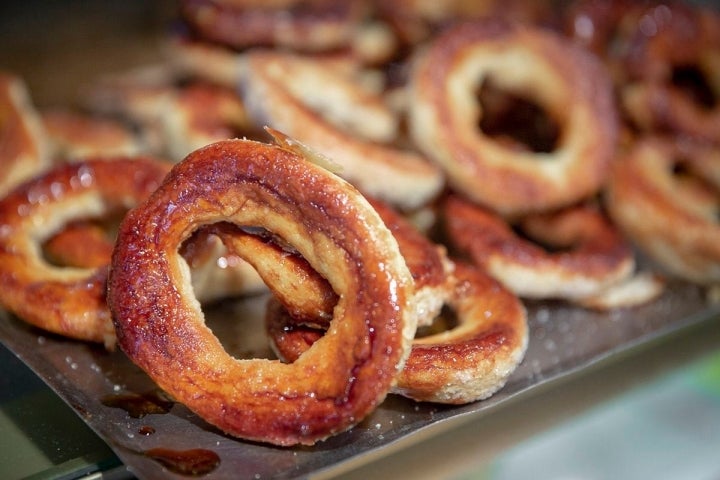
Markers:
(370, 167)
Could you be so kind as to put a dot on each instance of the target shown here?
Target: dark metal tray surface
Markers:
(102, 387)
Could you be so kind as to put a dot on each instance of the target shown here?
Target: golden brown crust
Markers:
(291, 336)
(331, 114)
(466, 363)
(672, 217)
(336, 383)
(474, 359)
(593, 254)
(426, 260)
(567, 82)
(67, 301)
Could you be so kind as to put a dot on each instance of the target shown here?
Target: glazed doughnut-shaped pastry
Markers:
(306, 25)
(328, 112)
(567, 82)
(74, 136)
(673, 63)
(592, 253)
(664, 194)
(333, 385)
(23, 152)
(66, 301)
(463, 364)
(337, 98)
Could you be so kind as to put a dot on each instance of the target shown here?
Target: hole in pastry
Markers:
(694, 83)
(680, 168)
(446, 320)
(516, 121)
(233, 297)
(83, 243)
(238, 323)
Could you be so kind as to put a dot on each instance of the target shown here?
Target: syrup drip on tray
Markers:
(195, 462)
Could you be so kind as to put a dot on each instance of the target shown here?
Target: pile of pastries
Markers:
(397, 177)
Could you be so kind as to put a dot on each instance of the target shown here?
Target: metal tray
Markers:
(564, 340)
